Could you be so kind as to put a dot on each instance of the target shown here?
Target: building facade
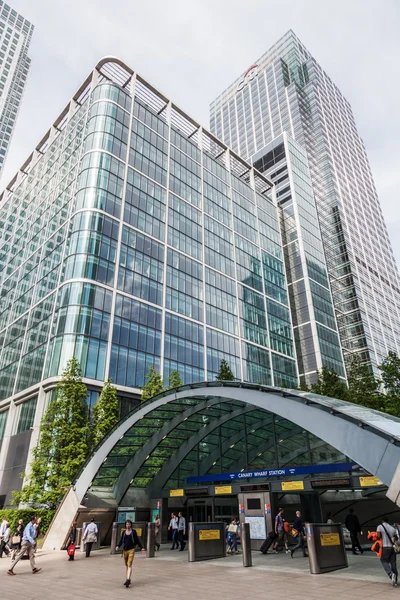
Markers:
(287, 91)
(133, 238)
(15, 37)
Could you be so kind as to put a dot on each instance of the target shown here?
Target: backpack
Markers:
(286, 527)
(377, 545)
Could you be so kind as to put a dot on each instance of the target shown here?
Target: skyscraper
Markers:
(287, 91)
(15, 36)
(133, 238)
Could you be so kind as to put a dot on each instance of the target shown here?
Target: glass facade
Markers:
(288, 92)
(15, 37)
(133, 239)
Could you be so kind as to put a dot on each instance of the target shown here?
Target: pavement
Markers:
(169, 575)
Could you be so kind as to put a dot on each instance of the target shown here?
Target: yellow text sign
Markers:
(139, 531)
(330, 539)
(288, 486)
(370, 481)
(209, 534)
(223, 489)
(174, 493)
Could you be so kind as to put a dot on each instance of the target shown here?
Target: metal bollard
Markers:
(246, 545)
(151, 540)
(191, 548)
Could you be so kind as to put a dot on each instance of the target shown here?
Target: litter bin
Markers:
(326, 549)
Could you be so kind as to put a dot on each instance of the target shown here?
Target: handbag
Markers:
(294, 533)
(232, 528)
(71, 550)
(16, 539)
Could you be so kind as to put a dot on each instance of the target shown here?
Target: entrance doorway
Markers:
(200, 511)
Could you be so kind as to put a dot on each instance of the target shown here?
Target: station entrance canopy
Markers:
(215, 427)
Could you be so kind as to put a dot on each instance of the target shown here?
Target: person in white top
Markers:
(3, 527)
(90, 536)
(173, 527)
(388, 534)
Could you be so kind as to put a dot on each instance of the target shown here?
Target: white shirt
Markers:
(91, 528)
(3, 528)
(386, 541)
(173, 523)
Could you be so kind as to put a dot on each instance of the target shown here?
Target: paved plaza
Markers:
(169, 576)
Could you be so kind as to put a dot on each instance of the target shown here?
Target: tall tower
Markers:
(287, 91)
(15, 36)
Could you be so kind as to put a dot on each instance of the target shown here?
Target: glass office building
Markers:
(287, 91)
(15, 37)
(133, 238)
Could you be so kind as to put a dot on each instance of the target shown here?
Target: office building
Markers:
(131, 238)
(15, 37)
(287, 92)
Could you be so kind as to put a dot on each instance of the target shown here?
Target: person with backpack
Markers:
(387, 534)
(281, 532)
(129, 540)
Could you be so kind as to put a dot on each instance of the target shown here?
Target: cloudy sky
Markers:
(193, 49)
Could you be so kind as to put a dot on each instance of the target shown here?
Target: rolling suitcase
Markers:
(268, 542)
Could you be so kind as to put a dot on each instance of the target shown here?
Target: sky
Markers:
(193, 50)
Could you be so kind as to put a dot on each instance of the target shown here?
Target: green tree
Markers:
(225, 372)
(105, 412)
(153, 386)
(364, 386)
(390, 374)
(174, 379)
(330, 384)
(63, 444)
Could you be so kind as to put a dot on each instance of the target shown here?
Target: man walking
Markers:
(90, 537)
(28, 545)
(353, 525)
(280, 532)
(181, 531)
(388, 534)
(4, 541)
(173, 527)
(299, 527)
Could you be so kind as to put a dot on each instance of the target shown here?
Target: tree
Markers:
(105, 412)
(224, 373)
(390, 373)
(364, 386)
(329, 384)
(63, 444)
(153, 386)
(174, 379)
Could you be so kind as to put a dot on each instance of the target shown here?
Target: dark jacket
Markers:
(72, 535)
(298, 524)
(352, 523)
(127, 542)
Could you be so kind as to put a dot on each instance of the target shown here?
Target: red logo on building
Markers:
(248, 76)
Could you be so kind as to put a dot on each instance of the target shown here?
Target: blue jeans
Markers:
(233, 542)
(175, 539)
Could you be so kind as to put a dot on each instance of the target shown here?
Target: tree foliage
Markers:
(63, 443)
(330, 384)
(225, 372)
(174, 379)
(105, 412)
(154, 384)
(364, 387)
(390, 376)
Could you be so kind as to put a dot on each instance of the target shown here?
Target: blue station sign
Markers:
(276, 472)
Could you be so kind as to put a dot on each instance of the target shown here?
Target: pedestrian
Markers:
(5, 538)
(16, 539)
(388, 535)
(299, 527)
(37, 531)
(90, 537)
(129, 539)
(329, 519)
(158, 531)
(181, 531)
(173, 527)
(281, 533)
(28, 545)
(72, 542)
(232, 540)
(353, 525)
(3, 526)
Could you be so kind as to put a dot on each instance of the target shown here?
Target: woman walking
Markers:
(129, 540)
(158, 531)
(16, 539)
(72, 542)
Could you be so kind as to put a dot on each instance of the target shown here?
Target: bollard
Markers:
(191, 550)
(246, 545)
(151, 540)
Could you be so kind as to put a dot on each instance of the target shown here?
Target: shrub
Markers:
(14, 514)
